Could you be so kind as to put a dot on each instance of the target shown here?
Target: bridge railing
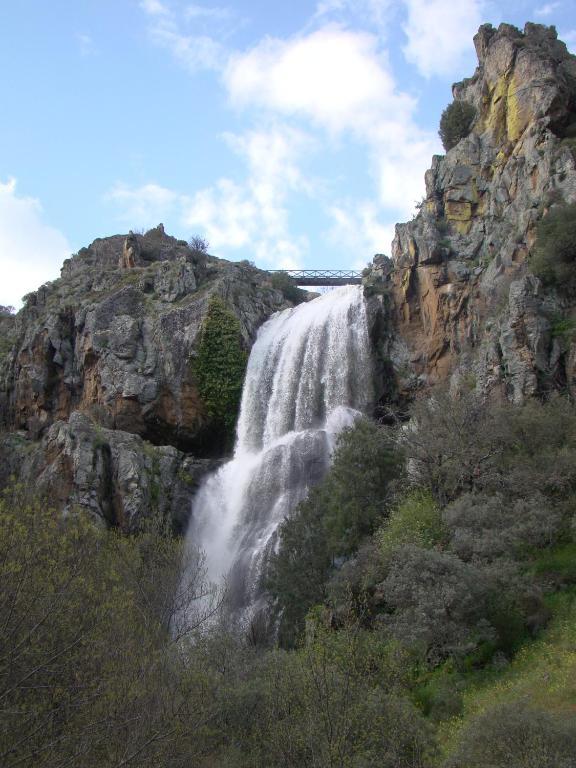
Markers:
(321, 276)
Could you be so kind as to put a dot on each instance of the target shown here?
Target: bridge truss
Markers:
(315, 277)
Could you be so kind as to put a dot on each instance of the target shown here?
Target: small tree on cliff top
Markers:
(456, 123)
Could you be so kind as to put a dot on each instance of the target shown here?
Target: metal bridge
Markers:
(314, 277)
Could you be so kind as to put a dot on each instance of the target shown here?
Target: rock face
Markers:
(460, 302)
(115, 337)
(97, 392)
(114, 476)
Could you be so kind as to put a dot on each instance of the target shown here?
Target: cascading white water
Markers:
(308, 377)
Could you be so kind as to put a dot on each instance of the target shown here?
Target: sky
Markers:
(292, 134)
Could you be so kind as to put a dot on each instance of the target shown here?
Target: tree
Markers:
(438, 604)
(456, 123)
(514, 735)
(554, 256)
(199, 244)
(88, 670)
(330, 524)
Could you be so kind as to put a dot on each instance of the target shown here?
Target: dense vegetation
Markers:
(284, 283)
(219, 368)
(427, 616)
(456, 123)
(555, 248)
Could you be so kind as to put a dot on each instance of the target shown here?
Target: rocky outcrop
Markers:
(461, 303)
(115, 337)
(98, 398)
(114, 476)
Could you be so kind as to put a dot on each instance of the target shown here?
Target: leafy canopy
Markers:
(456, 123)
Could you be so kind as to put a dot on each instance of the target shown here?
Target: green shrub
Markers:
(416, 520)
(439, 605)
(338, 514)
(284, 283)
(365, 462)
(219, 369)
(456, 123)
(517, 736)
(87, 673)
(554, 254)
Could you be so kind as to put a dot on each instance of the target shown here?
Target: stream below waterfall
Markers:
(308, 377)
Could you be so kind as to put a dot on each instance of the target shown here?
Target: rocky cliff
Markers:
(459, 299)
(97, 385)
(99, 395)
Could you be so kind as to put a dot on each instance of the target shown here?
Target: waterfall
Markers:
(308, 377)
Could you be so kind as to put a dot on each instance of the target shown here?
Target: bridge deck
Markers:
(313, 277)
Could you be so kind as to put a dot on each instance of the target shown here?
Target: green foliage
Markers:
(365, 462)
(554, 254)
(343, 509)
(415, 520)
(219, 368)
(284, 283)
(517, 736)
(564, 328)
(456, 123)
(334, 702)
(558, 563)
(485, 528)
(296, 575)
(438, 604)
(86, 668)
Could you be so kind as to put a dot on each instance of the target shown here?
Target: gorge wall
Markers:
(99, 401)
(98, 394)
(458, 299)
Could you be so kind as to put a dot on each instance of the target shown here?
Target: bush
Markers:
(367, 459)
(554, 254)
(488, 527)
(338, 514)
(516, 736)
(452, 443)
(456, 123)
(439, 603)
(219, 368)
(87, 674)
(198, 244)
(284, 283)
(416, 520)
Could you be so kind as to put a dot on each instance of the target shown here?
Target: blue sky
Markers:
(288, 133)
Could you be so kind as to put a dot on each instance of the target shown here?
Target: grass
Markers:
(542, 673)
(559, 562)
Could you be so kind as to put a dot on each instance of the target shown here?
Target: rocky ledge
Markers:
(459, 299)
(99, 402)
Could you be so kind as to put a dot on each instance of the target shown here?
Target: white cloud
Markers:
(439, 34)
(154, 8)
(255, 214)
(341, 82)
(332, 76)
(193, 51)
(215, 13)
(357, 226)
(547, 9)
(32, 251)
(86, 45)
(329, 82)
(143, 207)
(252, 215)
(365, 12)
